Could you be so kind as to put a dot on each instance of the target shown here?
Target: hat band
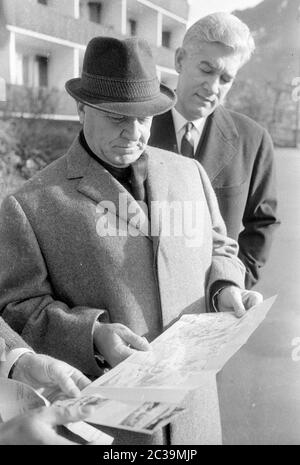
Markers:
(119, 89)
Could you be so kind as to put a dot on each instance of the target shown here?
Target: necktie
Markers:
(187, 143)
(138, 178)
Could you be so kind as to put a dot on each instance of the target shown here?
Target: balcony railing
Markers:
(178, 7)
(34, 17)
(46, 20)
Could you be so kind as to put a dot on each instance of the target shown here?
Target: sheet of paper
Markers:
(144, 417)
(144, 392)
(17, 398)
(193, 344)
(138, 394)
(89, 433)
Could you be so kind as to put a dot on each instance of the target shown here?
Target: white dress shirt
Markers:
(179, 125)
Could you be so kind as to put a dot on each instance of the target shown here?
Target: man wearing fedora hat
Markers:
(90, 271)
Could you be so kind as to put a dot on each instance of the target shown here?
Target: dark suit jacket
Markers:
(237, 155)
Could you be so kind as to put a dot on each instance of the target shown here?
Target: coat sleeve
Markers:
(27, 300)
(260, 217)
(9, 339)
(225, 266)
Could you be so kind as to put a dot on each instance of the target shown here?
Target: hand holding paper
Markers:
(43, 371)
(116, 342)
(234, 299)
(38, 426)
(185, 357)
(143, 393)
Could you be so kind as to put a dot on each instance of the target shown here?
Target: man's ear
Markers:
(179, 56)
(81, 112)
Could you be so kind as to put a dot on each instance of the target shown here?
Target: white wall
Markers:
(65, 7)
(4, 61)
(2, 90)
(61, 66)
(112, 14)
(147, 25)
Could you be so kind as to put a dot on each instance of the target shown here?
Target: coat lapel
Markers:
(157, 190)
(217, 146)
(219, 143)
(97, 184)
(163, 128)
(100, 186)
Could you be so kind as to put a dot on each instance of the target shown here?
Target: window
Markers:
(43, 2)
(95, 12)
(42, 63)
(132, 27)
(166, 39)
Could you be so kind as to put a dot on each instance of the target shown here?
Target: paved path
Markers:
(259, 388)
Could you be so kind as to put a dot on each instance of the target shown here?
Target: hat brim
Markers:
(156, 106)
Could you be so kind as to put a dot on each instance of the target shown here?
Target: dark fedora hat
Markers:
(120, 76)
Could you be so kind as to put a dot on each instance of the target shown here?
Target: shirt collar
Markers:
(180, 121)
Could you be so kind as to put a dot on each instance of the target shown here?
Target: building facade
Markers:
(42, 45)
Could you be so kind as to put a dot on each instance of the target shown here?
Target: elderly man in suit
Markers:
(91, 266)
(19, 362)
(236, 152)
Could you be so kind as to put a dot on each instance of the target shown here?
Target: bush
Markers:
(27, 145)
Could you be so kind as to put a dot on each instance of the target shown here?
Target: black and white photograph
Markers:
(149, 225)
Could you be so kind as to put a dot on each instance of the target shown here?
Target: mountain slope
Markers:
(276, 28)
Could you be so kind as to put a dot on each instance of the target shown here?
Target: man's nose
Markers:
(132, 129)
(212, 84)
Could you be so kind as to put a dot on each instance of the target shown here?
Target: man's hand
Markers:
(38, 426)
(116, 342)
(40, 371)
(234, 299)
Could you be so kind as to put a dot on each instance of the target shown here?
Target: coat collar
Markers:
(99, 185)
(164, 132)
(77, 160)
(219, 143)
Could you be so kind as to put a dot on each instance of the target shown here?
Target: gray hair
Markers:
(224, 28)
